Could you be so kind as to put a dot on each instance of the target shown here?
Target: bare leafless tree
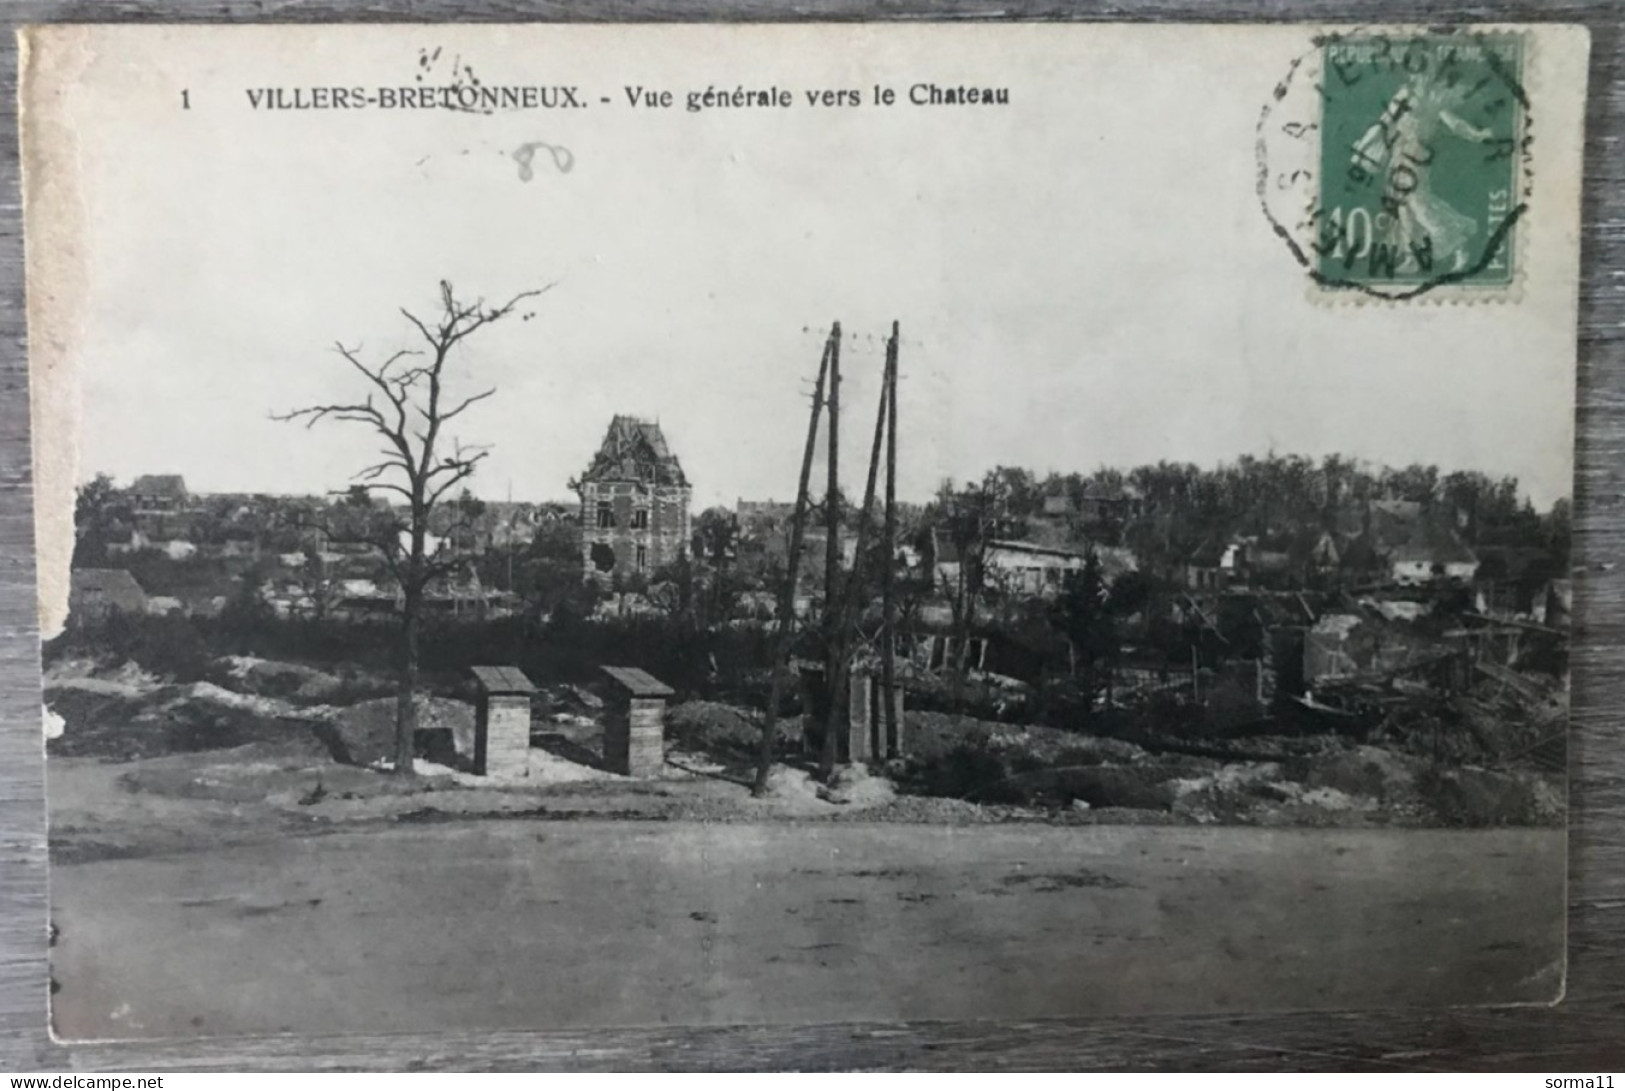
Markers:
(408, 408)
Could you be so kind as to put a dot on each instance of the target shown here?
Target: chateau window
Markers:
(640, 519)
(606, 514)
(643, 557)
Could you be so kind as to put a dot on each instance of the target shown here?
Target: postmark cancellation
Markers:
(1396, 166)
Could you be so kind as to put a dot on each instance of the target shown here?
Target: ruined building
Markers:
(634, 503)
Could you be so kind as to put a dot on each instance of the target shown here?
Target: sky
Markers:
(1082, 277)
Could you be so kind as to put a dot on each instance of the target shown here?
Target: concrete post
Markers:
(899, 746)
(860, 718)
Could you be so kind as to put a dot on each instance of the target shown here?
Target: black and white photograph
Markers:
(593, 527)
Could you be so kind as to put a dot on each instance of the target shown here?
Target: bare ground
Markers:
(223, 874)
(528, 923)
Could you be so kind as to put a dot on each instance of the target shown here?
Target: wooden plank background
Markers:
(1585, 1033)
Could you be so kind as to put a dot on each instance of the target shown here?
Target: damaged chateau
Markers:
(634, 503)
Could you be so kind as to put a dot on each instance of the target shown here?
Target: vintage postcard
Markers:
(565, 526)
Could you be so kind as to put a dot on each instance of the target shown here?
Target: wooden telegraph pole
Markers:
(832, 509)
(843, 603)
(832, 554)
(892, 741)
(851, 601)
(787, 592)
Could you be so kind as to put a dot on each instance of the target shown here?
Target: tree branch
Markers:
(311, 414)
(465, 403)
(389, 486)
(459, 471)
(473, 317)
(421, 328)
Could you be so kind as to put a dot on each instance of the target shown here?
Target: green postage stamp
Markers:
(1401, 159)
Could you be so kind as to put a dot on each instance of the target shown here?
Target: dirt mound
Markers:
(933, 735)
(1329, 783)
(1484, 797)
(1145, 787)
(790, 792)
(1383, 775)
(123, 679)
(114, 724)
(1254, 793)
(726, 734)
(271, 678)
(854, 786)
(364, 734)
(983, 761)
(702, 724)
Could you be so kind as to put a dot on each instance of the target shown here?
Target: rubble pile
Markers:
(364, 733)
(271, 678)
(569, 706)
(1517, 717)
(1385, 768)
(725, 734)
(123, 722)
(1503, 717)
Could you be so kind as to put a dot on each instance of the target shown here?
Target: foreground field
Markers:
(525, 923)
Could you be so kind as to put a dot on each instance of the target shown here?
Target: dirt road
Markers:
(527, 924)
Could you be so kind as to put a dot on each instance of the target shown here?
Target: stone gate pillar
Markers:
(502, 722)
(635, 729)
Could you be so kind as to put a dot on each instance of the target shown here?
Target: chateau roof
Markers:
(635, 450)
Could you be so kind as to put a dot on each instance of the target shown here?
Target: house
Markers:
(1436, 554)
(1282, 560)
(1214, 565)
(510, 524)
(1104, 504)
(771, 555)
(152, 493)
(1405, 542)
(1315, 550)
(1026, 568)
(634, 503)
(96, 593)
(487, 525)
(459, 594)
(1513, 580)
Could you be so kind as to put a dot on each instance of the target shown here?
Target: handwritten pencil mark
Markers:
(563, 159)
